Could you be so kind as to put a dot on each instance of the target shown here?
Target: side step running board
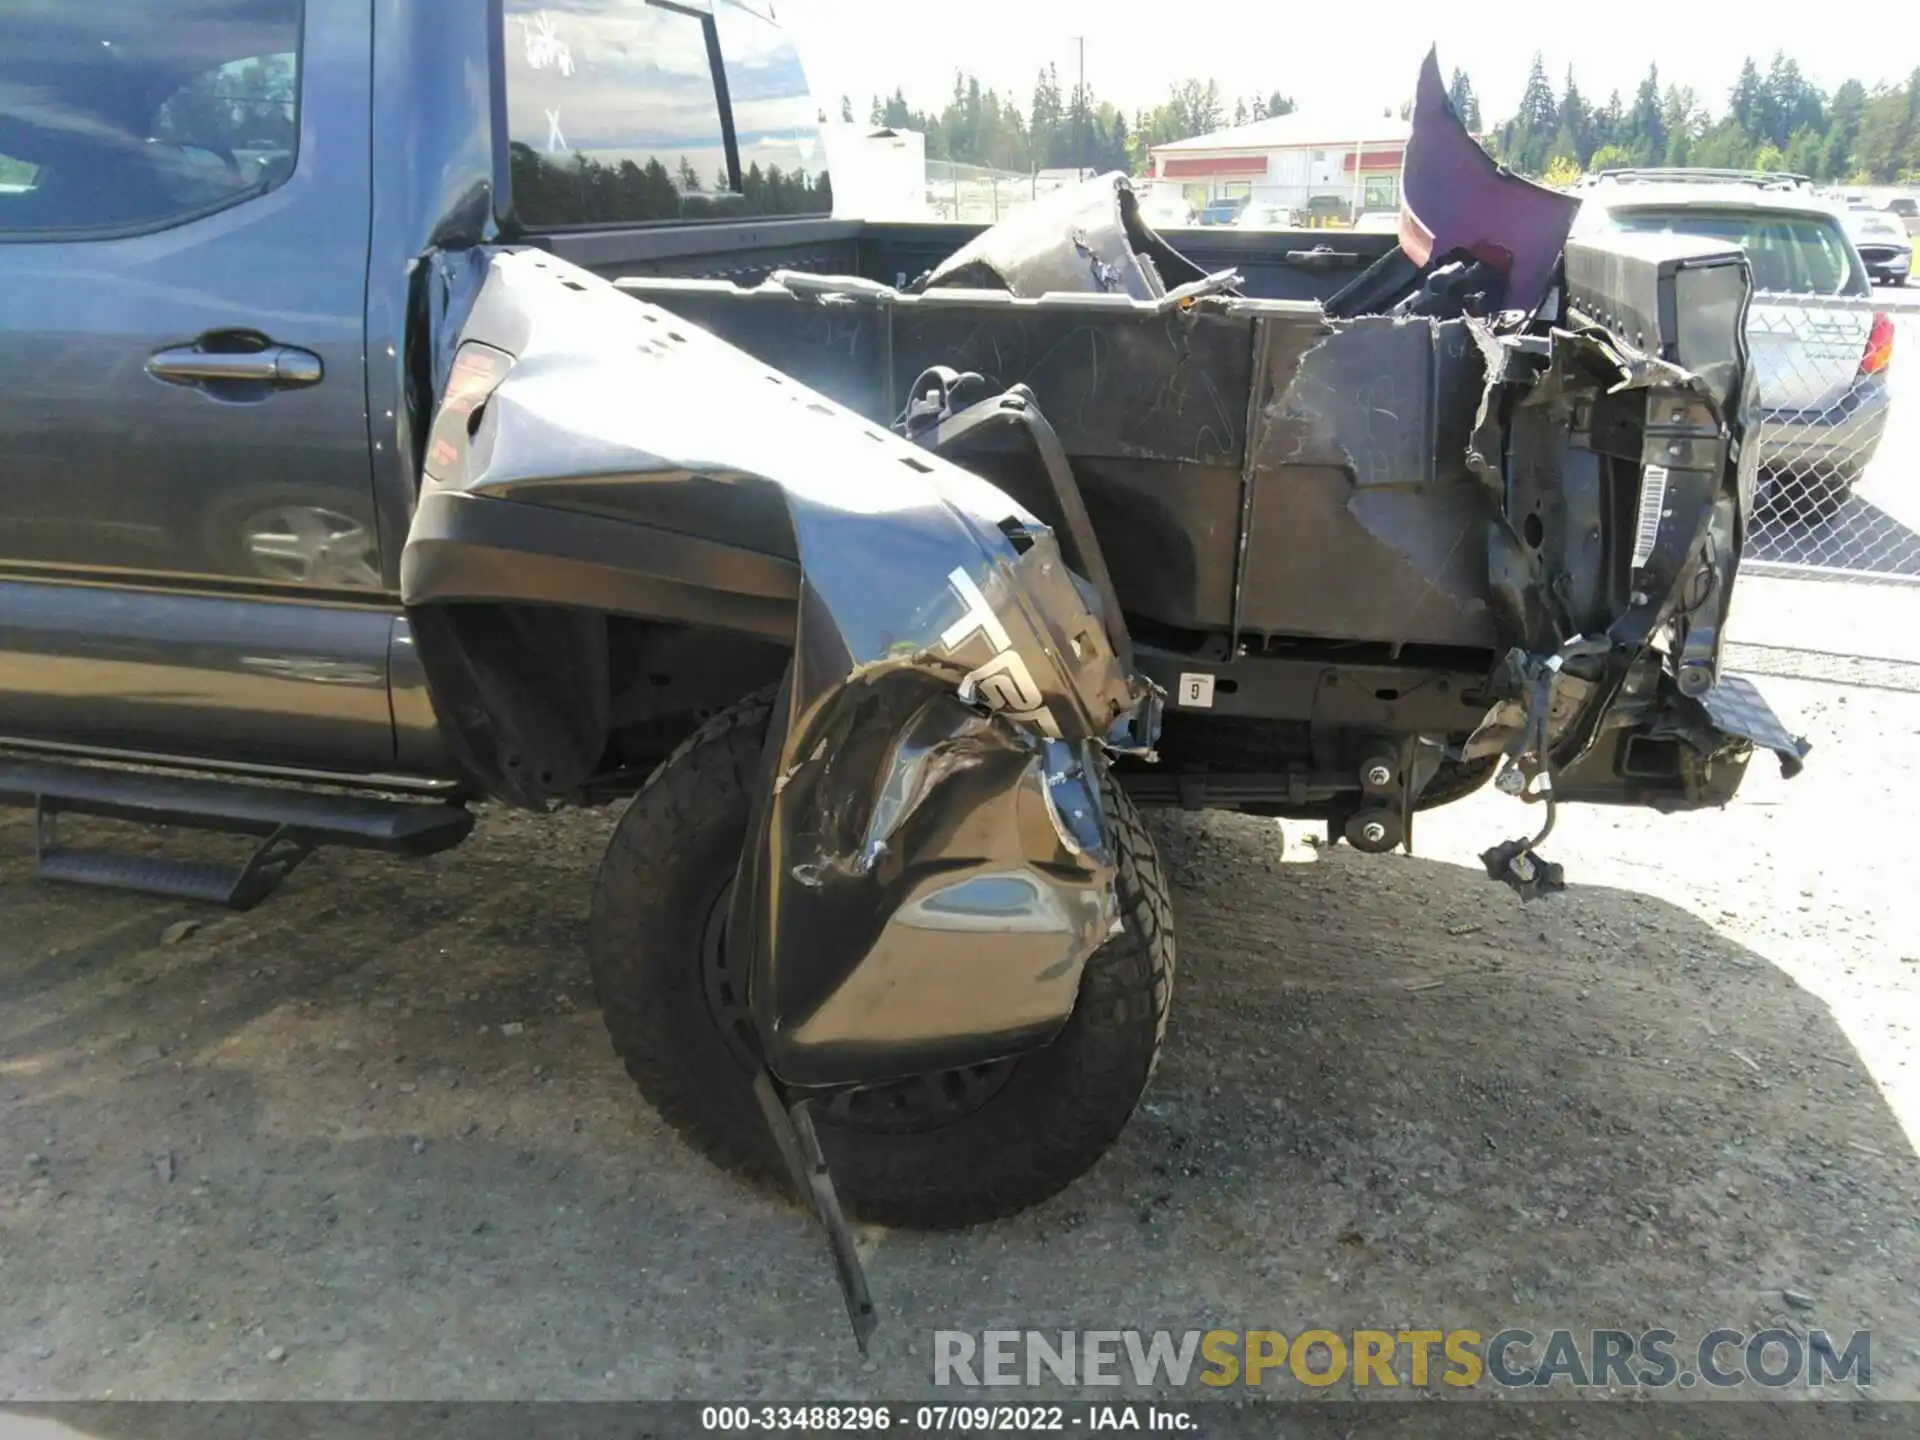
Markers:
(291, 824)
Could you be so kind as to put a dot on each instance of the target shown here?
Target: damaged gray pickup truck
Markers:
(886, 603)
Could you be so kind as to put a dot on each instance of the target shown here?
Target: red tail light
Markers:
(1879, 346)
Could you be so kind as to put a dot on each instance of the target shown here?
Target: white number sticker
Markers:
(1196, 690)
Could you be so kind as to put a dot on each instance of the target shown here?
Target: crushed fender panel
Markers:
(931, 865)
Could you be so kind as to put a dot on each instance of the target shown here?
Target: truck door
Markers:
(189, 557)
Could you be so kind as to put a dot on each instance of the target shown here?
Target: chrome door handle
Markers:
(283, 366)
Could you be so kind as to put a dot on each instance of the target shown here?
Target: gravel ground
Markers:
(370, 1140)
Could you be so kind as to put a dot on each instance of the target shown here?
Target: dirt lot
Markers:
(370, 1140)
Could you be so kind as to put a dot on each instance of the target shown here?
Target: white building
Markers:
(1305, 163)
(878, 173)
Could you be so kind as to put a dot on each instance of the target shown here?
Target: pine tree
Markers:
(1465, 103)
(1646, 127)
(1746, 99)
(1609, 122)
(1680, 118)
(1574, 138)
(1527, 139)
(1843, 130)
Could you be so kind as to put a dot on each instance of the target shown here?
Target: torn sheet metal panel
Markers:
(1734, 706)
(931, 882)
(1366, 520)
(933, 769)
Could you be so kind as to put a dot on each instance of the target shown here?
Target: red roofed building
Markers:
(1295, 162)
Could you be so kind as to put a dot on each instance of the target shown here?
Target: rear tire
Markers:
(1792, 497)
(988, 1143)
(1824, 496)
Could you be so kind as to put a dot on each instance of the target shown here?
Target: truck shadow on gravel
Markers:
(371, 1141)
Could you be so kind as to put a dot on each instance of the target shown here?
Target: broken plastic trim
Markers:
(1457, 200)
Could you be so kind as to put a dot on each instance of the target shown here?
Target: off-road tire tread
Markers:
(1058, 1110)
(713, 767)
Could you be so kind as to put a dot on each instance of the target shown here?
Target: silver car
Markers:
(1819, 350)
(1884, 245)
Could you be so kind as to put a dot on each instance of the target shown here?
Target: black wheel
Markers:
(1823, 494)
(1795, 497)
(938, 1151)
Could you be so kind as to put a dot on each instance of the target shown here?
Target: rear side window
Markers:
(783, 156)
(1868, 226)
(627, 112)
(118, 116)
(1790, 254)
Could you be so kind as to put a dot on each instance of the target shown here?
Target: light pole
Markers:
(1080, 116)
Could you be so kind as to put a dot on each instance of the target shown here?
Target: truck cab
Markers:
(214, 235)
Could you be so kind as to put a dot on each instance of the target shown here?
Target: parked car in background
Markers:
(1820, 351)
(1379, 222)
(1327, 210)
(1164, 211)
(1907, 209)
(1223, 212)
(1266, 215)
(1883, 243)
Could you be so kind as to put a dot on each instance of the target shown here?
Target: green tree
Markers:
(1747, 101)
(1792, 102)
(1573, 139)
(1609, 122)
(1684, 122)
(1465, 103)
(1561, 172)
(1197, 104)
(1843, 130)
(1646, 137)
(1889, 142)
(1526, 141)
(1046, 116)
(1806, 153)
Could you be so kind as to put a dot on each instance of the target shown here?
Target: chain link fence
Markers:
(1839, 449)
(978, 195)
